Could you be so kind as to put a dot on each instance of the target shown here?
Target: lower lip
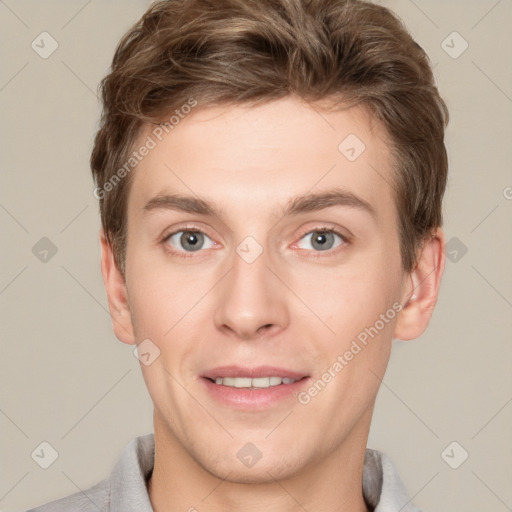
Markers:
(250, 399)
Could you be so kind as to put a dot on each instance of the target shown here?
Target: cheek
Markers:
(162, 297)
(348, 298)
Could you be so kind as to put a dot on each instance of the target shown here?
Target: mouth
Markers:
(253, 388)
(253, 383)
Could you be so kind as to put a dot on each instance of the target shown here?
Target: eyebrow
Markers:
(309, 202)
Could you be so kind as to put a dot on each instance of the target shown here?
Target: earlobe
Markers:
(422, 289)
(115, 287)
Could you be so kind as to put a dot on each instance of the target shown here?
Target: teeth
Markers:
(244, 382)
(258, 382)
(261, 382)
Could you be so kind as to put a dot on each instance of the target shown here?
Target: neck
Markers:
(332, 484)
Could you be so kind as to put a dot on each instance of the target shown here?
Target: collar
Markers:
(382, 487)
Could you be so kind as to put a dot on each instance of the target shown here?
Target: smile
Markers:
(253, 388)
(257, 382)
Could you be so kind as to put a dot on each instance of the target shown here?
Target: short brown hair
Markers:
(251, 51)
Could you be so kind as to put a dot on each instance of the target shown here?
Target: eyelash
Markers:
(186, 229)
(316, 254)
(329, 252)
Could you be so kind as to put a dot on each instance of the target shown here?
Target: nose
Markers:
(251, 301)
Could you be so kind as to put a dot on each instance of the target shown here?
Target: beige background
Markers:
(66, 380)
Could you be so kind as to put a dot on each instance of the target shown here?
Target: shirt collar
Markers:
(382, 486)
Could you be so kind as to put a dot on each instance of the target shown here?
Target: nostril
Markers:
(265, 327)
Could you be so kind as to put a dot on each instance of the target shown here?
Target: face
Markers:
(263, 264)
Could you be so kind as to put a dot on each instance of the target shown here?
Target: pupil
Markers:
(191, 240)
(322, 241)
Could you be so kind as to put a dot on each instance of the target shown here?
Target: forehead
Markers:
(255, 158)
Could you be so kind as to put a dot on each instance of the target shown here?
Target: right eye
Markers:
(188, 241)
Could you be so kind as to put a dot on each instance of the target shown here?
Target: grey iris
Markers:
(322, 240)
(192, 240)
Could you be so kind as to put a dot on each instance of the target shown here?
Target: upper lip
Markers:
(257, 371)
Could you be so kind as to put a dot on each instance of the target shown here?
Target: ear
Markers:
(422, 289)
(116, 292)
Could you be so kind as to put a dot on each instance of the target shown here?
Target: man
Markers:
(270, 176)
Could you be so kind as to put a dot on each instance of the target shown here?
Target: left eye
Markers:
(322, 240)
(190, 241)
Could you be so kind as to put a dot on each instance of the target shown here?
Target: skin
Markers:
(287, 308)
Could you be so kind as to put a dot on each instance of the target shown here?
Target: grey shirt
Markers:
(126, 488)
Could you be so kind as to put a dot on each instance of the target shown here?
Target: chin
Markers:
(260, 473)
